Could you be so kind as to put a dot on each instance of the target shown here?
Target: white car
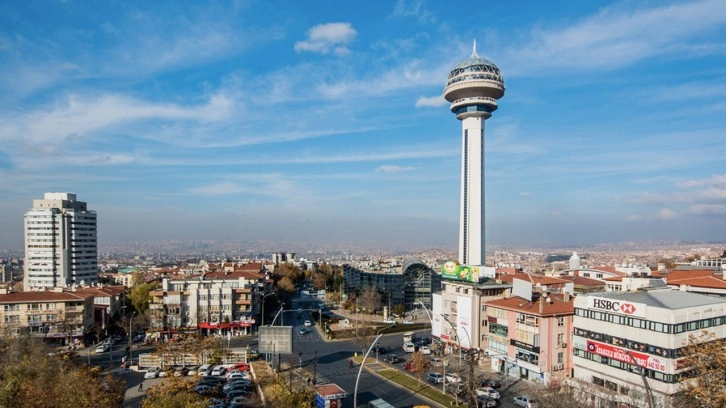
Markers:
(525, 402)
(487, 392)
(219, 370)
(102, 348)
(425, 349)
(152, 372)
(308, 323)
(452, 378)
(204, 370)
(238, 374)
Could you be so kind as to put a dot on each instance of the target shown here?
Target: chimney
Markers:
(541, 304)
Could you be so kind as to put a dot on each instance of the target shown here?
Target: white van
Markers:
(409, 347)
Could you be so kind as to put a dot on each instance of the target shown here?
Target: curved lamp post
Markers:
(648, 392)
(360, 370)
(263, 307)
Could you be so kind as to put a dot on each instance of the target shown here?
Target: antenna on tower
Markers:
(473, 51)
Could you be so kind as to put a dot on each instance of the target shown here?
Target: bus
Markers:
(409, 337)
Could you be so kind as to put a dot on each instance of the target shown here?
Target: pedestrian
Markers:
(141, 387)
(308, 381)
(350, 363)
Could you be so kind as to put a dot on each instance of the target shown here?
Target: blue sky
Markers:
(324, 121)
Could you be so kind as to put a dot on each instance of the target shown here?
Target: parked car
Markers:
(438, 362)
(241, 367)
(423, 341)
(165, 373)
(489, 383)
(435, 378)
(181, 372)
(524, 401)
(205, 369)
(193, 370)
(219, 370)
(152, 372)
(486, 402)
(303, 330)
(202, 389)
(391, 359)
(452, 378)
(487, 392)
(455, 388)
(237, 382)
(238, 374)
(424, 349)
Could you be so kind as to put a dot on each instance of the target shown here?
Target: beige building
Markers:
(218, 302)
(55, 315)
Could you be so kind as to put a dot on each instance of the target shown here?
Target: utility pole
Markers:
(315, 367)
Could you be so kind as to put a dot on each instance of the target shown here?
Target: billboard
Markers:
(452, 270)
(437, 309)
(627, 356)
(616, 306)
(463, 320)
(275, 339)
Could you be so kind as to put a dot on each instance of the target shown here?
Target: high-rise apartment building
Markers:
(60, 243)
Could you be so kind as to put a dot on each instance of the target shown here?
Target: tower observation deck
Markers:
(473, 88)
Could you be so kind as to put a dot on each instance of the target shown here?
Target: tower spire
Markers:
(473, 51)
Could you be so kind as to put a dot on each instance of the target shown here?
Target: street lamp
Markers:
(648, 392)
(360, 370)
(131, 353)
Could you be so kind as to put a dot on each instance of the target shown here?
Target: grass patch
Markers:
(412, 384)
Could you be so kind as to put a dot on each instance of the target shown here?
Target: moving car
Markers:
(524, 401)
(408, 347)
(102, 348)
(435, 378)
(152, 372)
(489, 383)
(424, 349)
(308, 323)
(378, 349)
(303, 330)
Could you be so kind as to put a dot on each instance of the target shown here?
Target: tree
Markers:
(30, 378)
(669, 264)
(139, 296)
(419, 365)
(286, 285)
(320, 281)
(174, 392)
(705, 355)
(174, 352)
(370, 299)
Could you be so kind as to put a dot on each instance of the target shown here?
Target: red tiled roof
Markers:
(329, 389)
(45, 296)
(534, 279)
(711, 282)
(582, 281)
(685, 274)
(557, 307)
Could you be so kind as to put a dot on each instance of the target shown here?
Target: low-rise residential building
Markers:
(528, 332)
(60, 317)
(622, 339)
(108, 302)
(457, 312)
(215, 302)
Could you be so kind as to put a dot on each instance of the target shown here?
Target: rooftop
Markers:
(666, 298)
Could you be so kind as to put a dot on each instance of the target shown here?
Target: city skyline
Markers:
(290, 122)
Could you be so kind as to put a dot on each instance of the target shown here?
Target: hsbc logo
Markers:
(615, 306)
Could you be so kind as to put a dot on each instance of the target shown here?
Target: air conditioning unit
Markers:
(563, 345)
(558, 367)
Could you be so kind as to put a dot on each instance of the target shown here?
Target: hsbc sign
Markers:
(616, 306)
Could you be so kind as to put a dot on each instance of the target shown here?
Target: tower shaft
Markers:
(471, 207)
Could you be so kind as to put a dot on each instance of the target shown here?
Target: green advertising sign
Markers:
(452, 270)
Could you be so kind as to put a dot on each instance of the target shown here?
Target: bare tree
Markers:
(370, 299)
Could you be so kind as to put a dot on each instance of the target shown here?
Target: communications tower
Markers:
(473, 89)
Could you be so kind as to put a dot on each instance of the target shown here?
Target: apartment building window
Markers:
(560, 321)
(34, 306)
(12, 319)
(598, 381)
(560, 338)
(458, 289)
(12, 308)
(560, 358)
(50, 306)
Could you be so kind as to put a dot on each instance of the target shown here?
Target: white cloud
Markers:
(429, 102)
(221, 188)
(667, 214)
(716, 180)
(413, 8)
(387, 168)
(700, 209)
(617, 37)
(525, 194)
(328, 38)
